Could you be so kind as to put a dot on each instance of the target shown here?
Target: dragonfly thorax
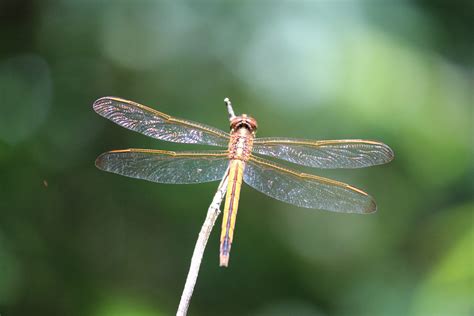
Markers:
(241, 143)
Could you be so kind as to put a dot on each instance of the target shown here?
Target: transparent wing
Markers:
(305, 190)
(165, 166)
(356, 153)
(150, 122)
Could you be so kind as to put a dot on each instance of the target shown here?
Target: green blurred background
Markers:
(78, 241)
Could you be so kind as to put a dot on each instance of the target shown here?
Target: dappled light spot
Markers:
(142, 37)
(125, 306)
(447, 288)
(327, 239)
(294, 61)
(288, 307)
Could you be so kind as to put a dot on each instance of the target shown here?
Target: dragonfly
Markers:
(240, 160)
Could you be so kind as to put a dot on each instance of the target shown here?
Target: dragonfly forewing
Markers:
(165, 166)
(150, 122)
(353, 153)
(305, 190)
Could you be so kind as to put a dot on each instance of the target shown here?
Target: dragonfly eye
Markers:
(243, 121)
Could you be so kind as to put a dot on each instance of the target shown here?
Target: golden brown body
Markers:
(240, 148)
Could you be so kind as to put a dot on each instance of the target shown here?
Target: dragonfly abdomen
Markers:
(236, 172)
(240, 148)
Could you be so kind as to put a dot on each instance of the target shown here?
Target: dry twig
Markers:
(212, 214)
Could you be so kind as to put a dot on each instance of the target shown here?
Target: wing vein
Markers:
(305, 190)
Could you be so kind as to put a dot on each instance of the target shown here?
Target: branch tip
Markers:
(230, 110)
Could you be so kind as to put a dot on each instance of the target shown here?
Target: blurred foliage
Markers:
(76, 241)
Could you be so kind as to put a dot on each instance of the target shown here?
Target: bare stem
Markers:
(212, 213)
(229, 108)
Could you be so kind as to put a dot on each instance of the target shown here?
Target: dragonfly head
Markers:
(243, 121)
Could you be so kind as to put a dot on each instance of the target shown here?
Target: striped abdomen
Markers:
(240, 147)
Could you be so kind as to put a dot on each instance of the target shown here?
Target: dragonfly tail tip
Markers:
(224, 260)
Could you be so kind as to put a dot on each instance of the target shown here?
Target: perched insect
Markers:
(240, 161)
